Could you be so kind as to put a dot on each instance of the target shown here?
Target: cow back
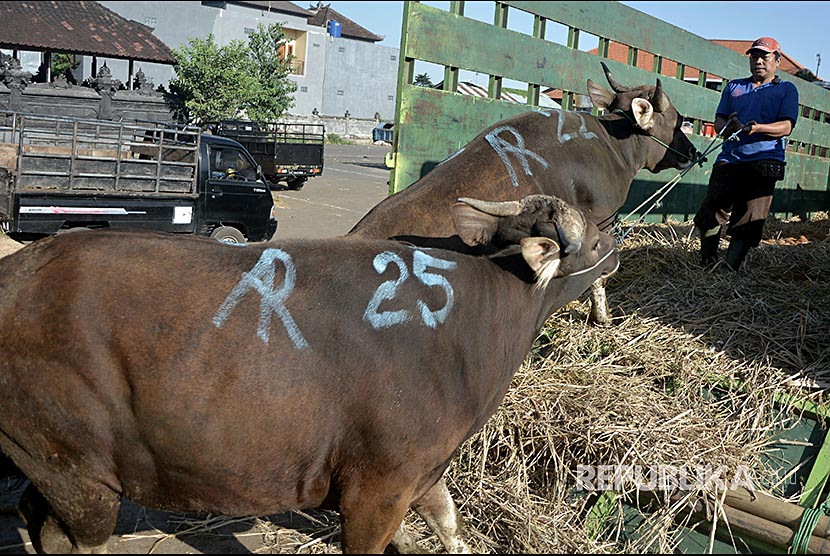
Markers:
(172, 365)
(569, 155)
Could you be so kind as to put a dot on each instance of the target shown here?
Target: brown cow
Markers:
(587, 161)
(192, 375)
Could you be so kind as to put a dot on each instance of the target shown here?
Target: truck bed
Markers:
(48, 154)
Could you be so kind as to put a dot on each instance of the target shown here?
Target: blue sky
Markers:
(802, 28)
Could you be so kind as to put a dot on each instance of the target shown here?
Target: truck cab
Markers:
(234, 192)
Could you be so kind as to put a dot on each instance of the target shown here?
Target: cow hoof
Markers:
(404, 543)
(600, 315)
(602, 320)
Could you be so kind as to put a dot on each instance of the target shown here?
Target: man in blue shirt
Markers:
(743, 178)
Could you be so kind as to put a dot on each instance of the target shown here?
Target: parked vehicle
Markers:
(289, 152)
(383, 132)
(59, 174)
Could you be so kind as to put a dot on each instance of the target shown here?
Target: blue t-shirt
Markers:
(768, 103)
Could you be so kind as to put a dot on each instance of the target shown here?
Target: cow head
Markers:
(555, 239)
(652, 112)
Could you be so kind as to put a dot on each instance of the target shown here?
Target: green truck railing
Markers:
(431, 124)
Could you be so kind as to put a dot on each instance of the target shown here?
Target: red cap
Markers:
(767, 44)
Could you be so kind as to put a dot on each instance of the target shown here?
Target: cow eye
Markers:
(596, 246)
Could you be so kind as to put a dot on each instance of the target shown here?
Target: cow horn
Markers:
(658, 99)
(495, 208)
(613, 82)
(571, 227)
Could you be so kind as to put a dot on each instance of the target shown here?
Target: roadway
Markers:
(354, 179)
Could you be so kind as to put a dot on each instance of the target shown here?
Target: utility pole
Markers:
(818, 63)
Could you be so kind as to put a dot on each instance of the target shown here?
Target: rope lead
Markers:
(699, 159)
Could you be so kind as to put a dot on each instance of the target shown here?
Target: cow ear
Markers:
(473, 226)
(539, 252)
(643, 113)
(600, 96)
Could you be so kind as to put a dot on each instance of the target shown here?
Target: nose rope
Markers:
(589, 269)
(699, 159)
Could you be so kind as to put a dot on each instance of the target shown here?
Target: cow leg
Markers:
(51, 533)
(437, 509)
(600, 313)
(371, 517)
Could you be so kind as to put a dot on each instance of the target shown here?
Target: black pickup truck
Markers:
(289, 152)
(59, 174)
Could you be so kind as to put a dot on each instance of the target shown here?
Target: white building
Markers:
(338, 65)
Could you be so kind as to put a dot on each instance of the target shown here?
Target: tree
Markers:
(214, 82)
(211, 82)
(423, 80)
(273, 95)
(60, 64)
(63, 63)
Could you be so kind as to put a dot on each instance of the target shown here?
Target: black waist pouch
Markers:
(770, 169)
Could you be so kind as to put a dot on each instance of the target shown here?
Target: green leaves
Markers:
(234, 80)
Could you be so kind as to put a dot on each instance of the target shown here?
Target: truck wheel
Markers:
(295, 184)
(228, 234)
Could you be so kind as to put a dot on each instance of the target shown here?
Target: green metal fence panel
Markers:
(431, 124)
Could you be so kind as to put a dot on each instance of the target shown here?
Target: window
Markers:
(303, 89)
(341, 49)
(340, 93)
(390, 97)
(230, 164)
(150, 22)
(393, 57)
(249, 31)
(286, 51)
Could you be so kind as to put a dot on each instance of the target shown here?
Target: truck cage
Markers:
(70, 155)
(270, 132)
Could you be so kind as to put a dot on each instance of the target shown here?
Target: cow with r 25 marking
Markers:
(345, 373)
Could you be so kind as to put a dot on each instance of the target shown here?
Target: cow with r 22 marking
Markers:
(587, 161)
(345, 373)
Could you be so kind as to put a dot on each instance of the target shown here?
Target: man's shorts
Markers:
(740, 195)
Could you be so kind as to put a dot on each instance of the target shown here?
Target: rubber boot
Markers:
(736, 253)
(709, 240)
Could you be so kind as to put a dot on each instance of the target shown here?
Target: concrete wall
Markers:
(348, 128)
(84, 102)
(361, 77)
(309, 93)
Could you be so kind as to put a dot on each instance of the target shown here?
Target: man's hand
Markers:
(732, 125)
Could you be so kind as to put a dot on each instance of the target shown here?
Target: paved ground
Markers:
(354, 180)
